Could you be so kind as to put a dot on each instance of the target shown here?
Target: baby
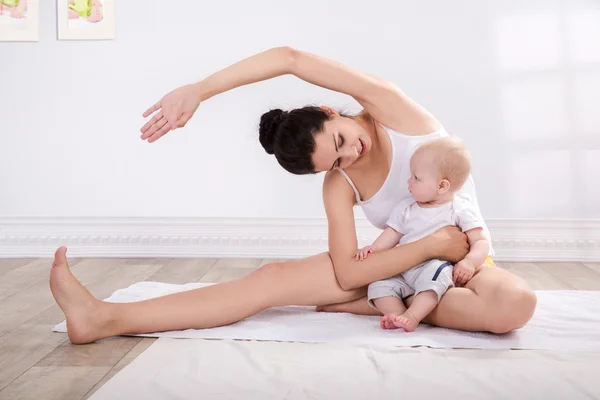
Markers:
(439, 168)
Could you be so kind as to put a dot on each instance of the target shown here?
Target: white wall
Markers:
(519, 81)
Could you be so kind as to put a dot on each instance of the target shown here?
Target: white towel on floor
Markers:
(248, 370)
(564, 320)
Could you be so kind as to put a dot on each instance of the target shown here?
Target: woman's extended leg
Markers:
(310, 281)
(494, 300)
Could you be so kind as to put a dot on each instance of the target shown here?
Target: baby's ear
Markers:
(443, 186)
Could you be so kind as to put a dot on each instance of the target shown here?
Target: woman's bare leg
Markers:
(494, 300)
(358, 306)
(310, 281)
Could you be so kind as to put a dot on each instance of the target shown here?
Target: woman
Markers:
(364, 158)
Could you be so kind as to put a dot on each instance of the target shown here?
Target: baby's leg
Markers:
(431, 280)
(390, 307)
(421, 306)
(386, 296)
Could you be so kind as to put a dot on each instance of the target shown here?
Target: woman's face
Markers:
(340, 144)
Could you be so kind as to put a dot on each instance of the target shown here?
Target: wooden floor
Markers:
(36, 363)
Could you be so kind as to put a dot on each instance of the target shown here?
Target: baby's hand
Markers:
(463, 272)
(361, 254)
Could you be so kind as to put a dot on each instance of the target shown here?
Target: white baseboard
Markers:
(513, 240)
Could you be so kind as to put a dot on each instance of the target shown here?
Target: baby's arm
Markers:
(388, 239)
(479, 250)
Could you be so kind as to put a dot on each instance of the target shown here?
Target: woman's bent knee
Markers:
(514, 308)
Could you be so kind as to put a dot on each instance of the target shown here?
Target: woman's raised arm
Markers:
(382, 99)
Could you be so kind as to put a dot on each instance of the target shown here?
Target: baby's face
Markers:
(424, 178)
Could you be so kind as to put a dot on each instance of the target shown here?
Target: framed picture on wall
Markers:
(86, 19)
(19, 20)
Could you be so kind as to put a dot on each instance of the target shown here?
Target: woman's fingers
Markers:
(147, 128)
(159, 125)
(161, 132)
(151, 109)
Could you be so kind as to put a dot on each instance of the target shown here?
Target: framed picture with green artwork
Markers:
(19, 20)
(86, 19)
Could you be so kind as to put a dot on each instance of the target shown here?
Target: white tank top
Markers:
(378, 208)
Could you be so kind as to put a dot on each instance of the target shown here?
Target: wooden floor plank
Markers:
(9, 264)
(575, 274)
(20, 278)
(229, 269)
(535, 276)
(183, 270)
(103, 353)
(593, 266)
(33, 340)
(54, 383)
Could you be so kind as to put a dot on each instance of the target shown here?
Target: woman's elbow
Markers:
(289, 55)
(347, 284)
(346, 275)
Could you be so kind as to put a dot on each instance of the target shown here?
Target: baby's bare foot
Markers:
(406, 321)
(387, 321)
(84, 313)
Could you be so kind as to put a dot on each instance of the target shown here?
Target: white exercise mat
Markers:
(248, 370)
(564, 320)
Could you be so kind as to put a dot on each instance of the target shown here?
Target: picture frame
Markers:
(19, 20)
(86, 19)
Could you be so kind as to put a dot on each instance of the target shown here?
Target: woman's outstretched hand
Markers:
(173, 111)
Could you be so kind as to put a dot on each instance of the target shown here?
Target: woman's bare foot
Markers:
(96, 15)
(84, 314)
(387, 321)
(406, 321)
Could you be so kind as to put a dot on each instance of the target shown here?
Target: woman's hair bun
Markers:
(269, 124)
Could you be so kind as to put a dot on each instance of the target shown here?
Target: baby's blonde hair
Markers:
(452, 158)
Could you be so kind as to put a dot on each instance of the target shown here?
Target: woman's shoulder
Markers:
(334, 179)
(335, 186)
